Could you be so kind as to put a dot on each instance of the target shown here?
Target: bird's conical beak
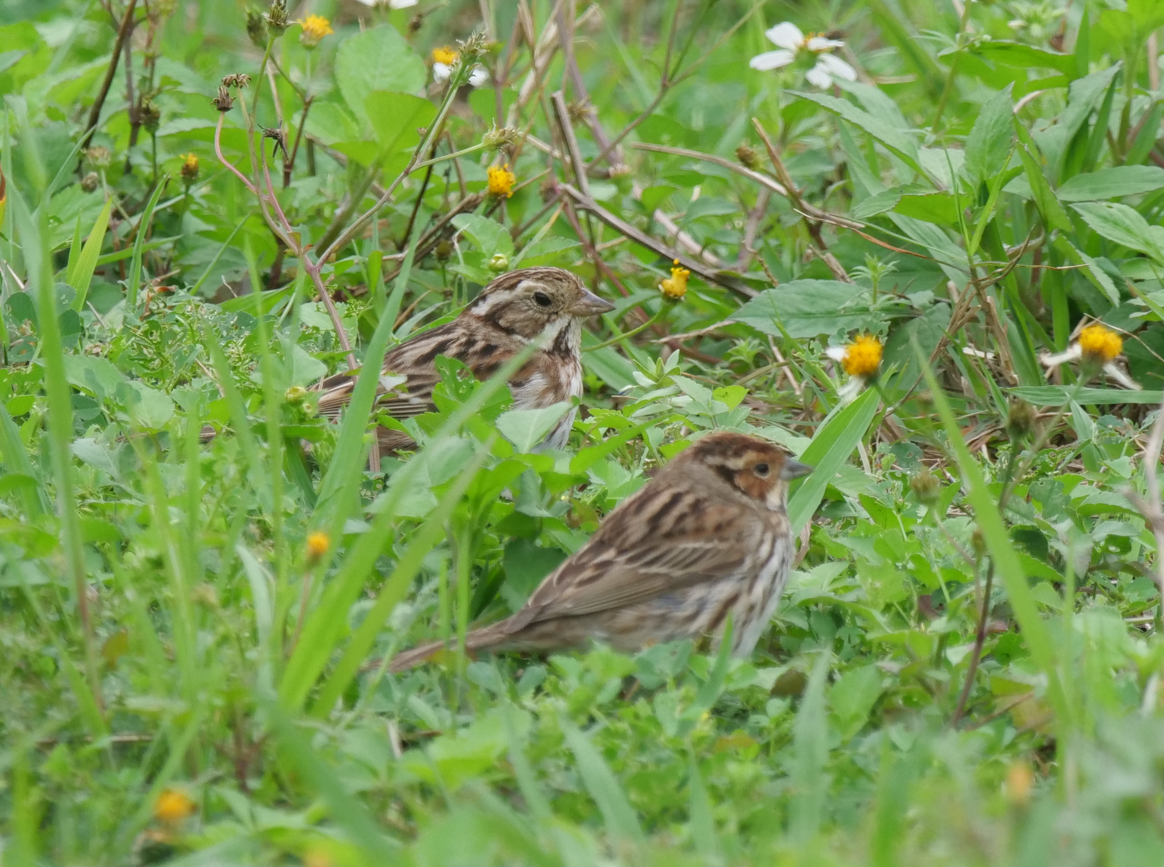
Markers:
(590, 305)
(794, 470)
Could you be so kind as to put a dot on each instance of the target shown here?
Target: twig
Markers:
(725, 279)
(99, 103)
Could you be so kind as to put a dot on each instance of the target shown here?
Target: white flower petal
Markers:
(836, 67)
(819, 75)
(1073, 352)
(837, 353)
(786, 35)
(399, 4)
(772, 59)
(369, 2)
(1119, 376)
(440, 71)
(821, 43)
(478, 76)
(848, 392)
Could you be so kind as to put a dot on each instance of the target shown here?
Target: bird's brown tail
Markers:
(485, 638)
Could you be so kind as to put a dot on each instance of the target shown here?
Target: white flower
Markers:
(391, 4)
(791, 43)
(1097, 346)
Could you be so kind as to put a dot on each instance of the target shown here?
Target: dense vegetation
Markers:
(207, 208)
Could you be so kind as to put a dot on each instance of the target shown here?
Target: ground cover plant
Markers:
(917, 244)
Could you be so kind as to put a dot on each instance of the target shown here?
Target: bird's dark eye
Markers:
(542, 299)
(761, 470)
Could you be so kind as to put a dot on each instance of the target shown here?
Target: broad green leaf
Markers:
(527, 428)
(1124, 226)
(989, 143)
(1049, 208)
(376, 59)
(807, 308)
(1111, 183)
(147, 407)
(852, 697)
(396, 119)
(896, 140)
(1084, 97)
(488, 235)
(1023, 56)
(94, 374)
(1091, 270)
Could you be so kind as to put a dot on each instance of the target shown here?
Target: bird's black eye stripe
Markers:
(542, 299)
(760, 470)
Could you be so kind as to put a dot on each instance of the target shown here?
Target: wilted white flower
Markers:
(791, 43)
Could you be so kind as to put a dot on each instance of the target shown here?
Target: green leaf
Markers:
(1111, 183)
(147, 407)
(810, 751)
(600, 782)
(489, 236)
(806, 308)
(1023, 56)
(527, 428)
(1049, 208)
(896, 140)
(852, 697)
(1056, 395)
(376, 59)
(834, 442)
(988, 146)
(396, 119)
(1125, 226)
(1091, 270)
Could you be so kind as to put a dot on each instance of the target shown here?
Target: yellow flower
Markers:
(1100, 344)
(501, 181)
(675, 286)
(318, 544)
(189, 167)
(1098, 347)
(315, 27)
(861, 358)
(1020, 779)
(173, 806)
(445, 55)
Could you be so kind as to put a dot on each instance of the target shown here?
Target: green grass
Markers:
(966, 666)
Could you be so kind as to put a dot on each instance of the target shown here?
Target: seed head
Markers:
(1020, 419)
(925, 486)
(149, 114)
(276, 17)
(256, 28)
(499, 263)
(99, 157)
(748, 157)
(88, 183)
(295, 394)
(501, 138)
(224, 101)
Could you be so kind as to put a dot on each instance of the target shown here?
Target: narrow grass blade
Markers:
(811, 750)
(700, 820)
(827, 453)
(80, 273)
(16, 460)
(133, 281)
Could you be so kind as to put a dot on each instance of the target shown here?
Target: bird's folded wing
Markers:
(411, 398)
(621, 568)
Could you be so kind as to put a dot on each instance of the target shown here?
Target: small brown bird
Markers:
(516, 309)
(706, 537)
